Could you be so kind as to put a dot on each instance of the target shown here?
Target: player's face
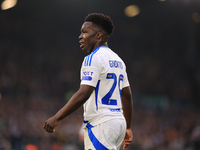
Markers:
(88, 38)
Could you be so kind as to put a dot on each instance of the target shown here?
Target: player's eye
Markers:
(84, 31)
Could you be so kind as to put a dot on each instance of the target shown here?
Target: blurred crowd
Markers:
(22, 120)
(39, 71)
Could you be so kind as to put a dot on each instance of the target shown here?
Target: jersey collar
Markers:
(96, 49)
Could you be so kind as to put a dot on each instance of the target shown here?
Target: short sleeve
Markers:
(125, 81)
(90, 72)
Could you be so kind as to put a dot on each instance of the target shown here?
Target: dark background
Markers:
(40, 62)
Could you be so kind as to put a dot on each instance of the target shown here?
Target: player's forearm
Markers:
(127, 104)
(128, 111)
(76, 101)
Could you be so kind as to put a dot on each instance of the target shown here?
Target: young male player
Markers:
(104, 90)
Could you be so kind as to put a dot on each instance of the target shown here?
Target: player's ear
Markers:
(99, 35)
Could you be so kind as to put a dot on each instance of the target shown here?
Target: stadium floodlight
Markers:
(132, 10)
(7, 4)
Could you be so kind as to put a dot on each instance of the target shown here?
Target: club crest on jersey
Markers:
(87, 75)
(115, 64)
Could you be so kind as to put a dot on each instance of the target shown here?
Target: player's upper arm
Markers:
(86, 91)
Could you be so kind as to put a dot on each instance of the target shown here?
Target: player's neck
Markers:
(101, 44)
(98, 45)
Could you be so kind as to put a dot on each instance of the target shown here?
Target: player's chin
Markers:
(85, 50)
(82, 47)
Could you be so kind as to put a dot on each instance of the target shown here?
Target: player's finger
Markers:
(48, 128)
(126, 144)
(129, 140)
(45, 125)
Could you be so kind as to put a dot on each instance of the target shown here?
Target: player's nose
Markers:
(80, 36)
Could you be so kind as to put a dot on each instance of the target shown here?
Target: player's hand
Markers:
(127, 139)
(51, 124)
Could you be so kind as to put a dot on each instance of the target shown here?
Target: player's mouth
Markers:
(81, 46)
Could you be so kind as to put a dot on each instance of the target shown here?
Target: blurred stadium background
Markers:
(40, 60)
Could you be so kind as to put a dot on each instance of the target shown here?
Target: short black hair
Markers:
(101, 20)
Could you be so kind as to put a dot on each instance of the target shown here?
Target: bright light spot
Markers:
(196, 17)
(8, 4)
(132, 10)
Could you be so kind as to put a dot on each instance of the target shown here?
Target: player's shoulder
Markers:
(105, 52)
(91, 58)
(100, 55)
